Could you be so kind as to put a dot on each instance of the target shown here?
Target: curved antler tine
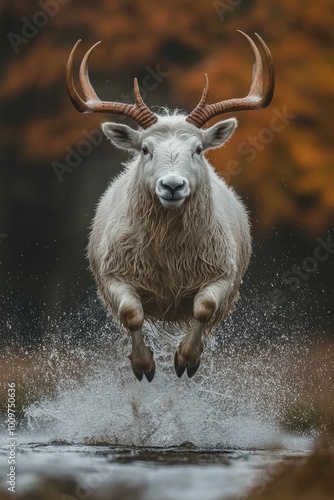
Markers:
(200, 113)
(137, 111)
(205, 90)
(255, 98)
(257, 72)
(141, 113)
(270, 88)
(77, 102)
(87, 88)
(137, 95)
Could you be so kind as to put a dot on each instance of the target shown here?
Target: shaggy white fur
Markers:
(178, 265)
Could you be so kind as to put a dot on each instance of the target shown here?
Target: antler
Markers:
(137, 111)
(255, 99)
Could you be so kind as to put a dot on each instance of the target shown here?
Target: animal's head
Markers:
(172, 150)
(172, 146)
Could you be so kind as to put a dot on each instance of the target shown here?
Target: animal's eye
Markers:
(198, 150)
(145, 150)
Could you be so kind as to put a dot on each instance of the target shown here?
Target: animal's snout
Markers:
(172, 190)
(172, 186)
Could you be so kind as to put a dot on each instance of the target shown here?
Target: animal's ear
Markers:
(215, 136)
(122, 136)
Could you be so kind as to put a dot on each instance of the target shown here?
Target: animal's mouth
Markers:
(172, 202)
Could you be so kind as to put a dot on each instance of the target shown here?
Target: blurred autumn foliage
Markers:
(292, 176)
(280, 160)
(289, 178)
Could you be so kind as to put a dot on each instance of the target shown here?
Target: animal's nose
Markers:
(172, 186)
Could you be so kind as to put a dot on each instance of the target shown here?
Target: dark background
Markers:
(288, 186)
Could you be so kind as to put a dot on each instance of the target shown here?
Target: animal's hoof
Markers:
(150, 373)
(191, 370)
(138, 375)
(179, 369)
(188, 357)
(143, 366)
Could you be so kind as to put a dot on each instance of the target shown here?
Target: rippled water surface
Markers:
(160, 473)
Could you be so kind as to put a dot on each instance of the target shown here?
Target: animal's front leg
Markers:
(207, 302)
(127, 304)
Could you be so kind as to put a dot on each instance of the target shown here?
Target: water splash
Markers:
(236, 399)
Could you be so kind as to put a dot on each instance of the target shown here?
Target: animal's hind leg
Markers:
(141, 357)
(188, 355)
(207, 302)
(126, 303)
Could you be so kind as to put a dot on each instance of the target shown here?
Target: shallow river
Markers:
(159, 473)
(212, 437)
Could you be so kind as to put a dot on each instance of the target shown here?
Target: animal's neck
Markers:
(171, 227)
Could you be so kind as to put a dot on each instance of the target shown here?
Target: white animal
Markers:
(170, 240)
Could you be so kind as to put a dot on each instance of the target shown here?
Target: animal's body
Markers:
(169, 255)
(170, 240)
